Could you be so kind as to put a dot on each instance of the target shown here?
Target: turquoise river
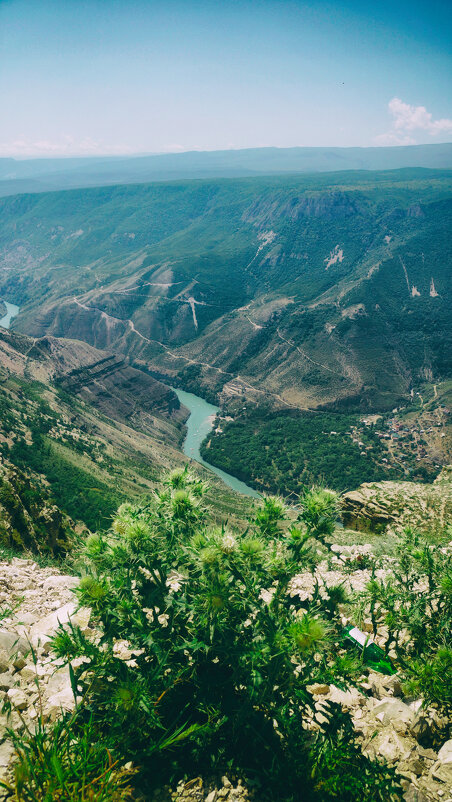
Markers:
(199, 424)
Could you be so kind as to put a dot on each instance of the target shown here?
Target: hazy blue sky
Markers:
(125, 76)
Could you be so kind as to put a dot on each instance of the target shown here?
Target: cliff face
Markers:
(378, 506)
(106, 381)
(328, 205)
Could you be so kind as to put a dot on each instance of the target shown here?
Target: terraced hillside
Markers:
(302, 290)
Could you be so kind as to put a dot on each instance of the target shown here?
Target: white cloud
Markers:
(408, 120)
(66, 146)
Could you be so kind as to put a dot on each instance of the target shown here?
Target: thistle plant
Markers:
(200, 645)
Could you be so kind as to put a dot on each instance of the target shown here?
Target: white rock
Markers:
(350, 698)
(12, 643)
(63, 701)
(394, 709)
(6, 753)
(18, 698)
(59, 681)
(318, 689)
(44, 629)
(60, 581)
(445, 753)
(7, 681)
(4, 661)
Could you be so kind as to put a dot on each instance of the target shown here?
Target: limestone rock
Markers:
(392, 747)
(348, 699)
(389, 710)
(12, 643)
(382, 686)
(6, 753)
(413, 794)
(7, 681)
(44, 629)
(374, 506)
(60, 581)
(18, 698)
(318, 689)
(442, 769)
(4, 661)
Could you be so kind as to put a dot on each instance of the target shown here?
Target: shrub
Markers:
(203, 648)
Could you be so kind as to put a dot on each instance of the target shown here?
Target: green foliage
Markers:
(319, 511)
(67, 764)
(338, 771)
(415, 605)
(29, 519)
(75, 490)
(204, 649)
(432, 678)
(285, 452)
(353, 330)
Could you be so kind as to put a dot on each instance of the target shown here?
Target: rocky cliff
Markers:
(375, 507)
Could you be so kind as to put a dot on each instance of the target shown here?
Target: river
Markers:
(199, 424)
(11, 311)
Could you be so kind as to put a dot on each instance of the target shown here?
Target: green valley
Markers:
(285, 293)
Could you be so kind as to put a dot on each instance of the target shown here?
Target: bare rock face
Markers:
(375, 506)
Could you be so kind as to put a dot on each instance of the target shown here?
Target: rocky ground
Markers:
(34, 600)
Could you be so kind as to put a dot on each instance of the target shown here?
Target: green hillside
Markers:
(308, 289)
(80, 432)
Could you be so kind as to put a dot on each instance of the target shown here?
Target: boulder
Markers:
(4, 661)
(442, 769)
(392, 747)
(427, 727)
(61, 702)
(59, 581)
(383, 686)
(12, 644)
(7, 681)
(18, 698)
(445, 753)
(6, 754)
(413, 794)
(318, 689)
(390, 710)
(59, 681)
(347, 699)
(43, 631)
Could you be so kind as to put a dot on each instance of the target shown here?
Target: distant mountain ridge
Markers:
(297, 290)
(39, 175)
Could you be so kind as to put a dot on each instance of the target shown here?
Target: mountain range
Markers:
(42, 174)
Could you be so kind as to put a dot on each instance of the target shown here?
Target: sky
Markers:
(92, 77)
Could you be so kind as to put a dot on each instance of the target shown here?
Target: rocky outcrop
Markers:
(105, 380)
(200, 790)
(329, 205)
(375, 506)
